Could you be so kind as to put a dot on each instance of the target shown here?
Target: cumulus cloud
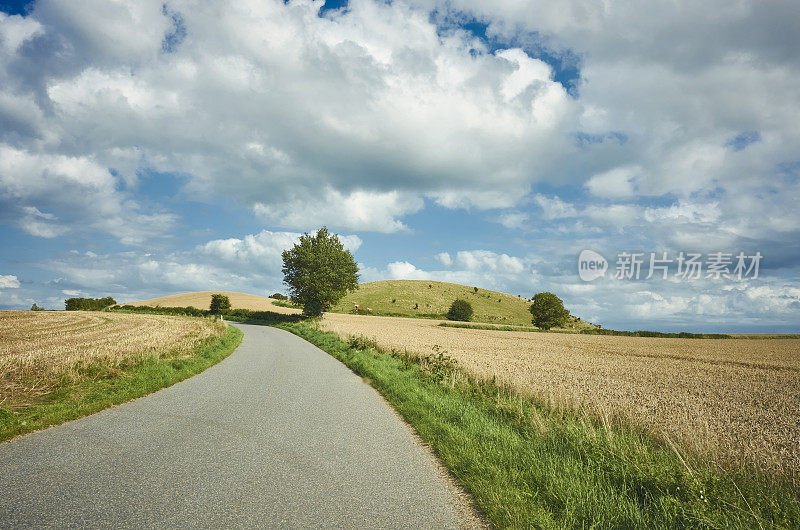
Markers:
(362, 112)
(470, 267)
(264, 248)
(616, 183)
(359, 210)
(16, 30)
(33, 185)
(8, 281)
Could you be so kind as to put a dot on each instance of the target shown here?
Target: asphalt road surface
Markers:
(279, 434)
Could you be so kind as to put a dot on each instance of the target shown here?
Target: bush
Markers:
(548, 311)
(278, 296)
(219, 303)
(460, 310)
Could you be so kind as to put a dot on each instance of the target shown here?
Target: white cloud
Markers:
(33, 185)
(262, 249)
(616, 183)
(469, 267)
(514, 220)
(8, 281)
(358, 210)
(615, 215)
(360, 113)
(15, 30)
(554, 208)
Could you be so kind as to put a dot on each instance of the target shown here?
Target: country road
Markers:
(279, 434)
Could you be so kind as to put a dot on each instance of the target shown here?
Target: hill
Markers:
(422, 298)
(202, 300)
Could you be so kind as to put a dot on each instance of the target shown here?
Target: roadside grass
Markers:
(529, 465)
(107, 388)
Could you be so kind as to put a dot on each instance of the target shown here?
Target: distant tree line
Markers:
(88, 304)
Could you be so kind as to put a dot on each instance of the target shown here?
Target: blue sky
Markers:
(148, 148)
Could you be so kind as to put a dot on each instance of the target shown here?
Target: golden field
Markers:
(729, 399)
(38, 350)
(202, 300)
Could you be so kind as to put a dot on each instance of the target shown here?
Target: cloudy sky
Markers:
(153, 147)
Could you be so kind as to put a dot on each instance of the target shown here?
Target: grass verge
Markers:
(531, 466)
(491, 327)
(71, 401)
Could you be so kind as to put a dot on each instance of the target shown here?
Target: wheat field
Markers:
(40, 350)
(732, 400)
(202, 300)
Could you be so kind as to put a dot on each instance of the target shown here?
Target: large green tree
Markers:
(219, 303)
(319, 272)
(548, 311)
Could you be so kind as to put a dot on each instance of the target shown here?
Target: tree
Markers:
(88, 304)
(219, 303)
(319, 272)
(460, 310)
(35, 307)
(548, 311)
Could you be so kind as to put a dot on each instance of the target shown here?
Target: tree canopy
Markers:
(219, 303)
(88, 304)
(319, 272)
(548, 311)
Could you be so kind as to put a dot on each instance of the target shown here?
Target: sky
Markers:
(156, 147)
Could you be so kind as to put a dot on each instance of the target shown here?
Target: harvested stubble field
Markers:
(41, 350)
(731, 400)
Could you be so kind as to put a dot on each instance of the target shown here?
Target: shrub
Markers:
(439, 366)
(460, 310)
(278, 296)
(219, 303)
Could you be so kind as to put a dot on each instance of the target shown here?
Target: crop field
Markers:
(39, 351)
(202, 300)
(732, 400)
(416, 298)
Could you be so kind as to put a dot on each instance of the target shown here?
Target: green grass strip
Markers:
(530, 466)
(491, 327)
(72, 401)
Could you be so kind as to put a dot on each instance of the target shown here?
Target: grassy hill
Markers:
(422, 298)
(403, 298)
